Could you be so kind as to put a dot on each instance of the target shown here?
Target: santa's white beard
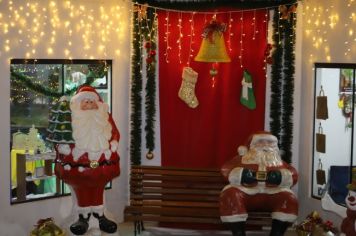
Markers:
(91, 129)
(264, 157)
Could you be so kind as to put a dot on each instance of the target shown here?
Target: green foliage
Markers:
(136, 96)
(282, 83)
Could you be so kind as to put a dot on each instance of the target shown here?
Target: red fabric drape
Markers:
(209, 135)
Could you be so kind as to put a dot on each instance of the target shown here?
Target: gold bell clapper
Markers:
(212, 48)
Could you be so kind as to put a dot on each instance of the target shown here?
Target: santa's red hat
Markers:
(86, 92)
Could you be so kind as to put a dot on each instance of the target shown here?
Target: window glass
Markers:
(36, 86)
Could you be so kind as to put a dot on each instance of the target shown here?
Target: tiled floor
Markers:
(126, 229)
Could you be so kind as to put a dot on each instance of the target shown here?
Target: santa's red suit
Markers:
(88, 169)
(258, 183)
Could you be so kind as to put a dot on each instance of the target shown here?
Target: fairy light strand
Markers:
(192, 34)
(241, 38)
(230, 34)
(180, 37)
(254, 25)
(166, 38)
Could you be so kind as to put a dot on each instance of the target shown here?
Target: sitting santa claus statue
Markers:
(259, 181)
(92, 161)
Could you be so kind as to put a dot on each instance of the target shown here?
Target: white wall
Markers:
(80, 29)
(327, 37)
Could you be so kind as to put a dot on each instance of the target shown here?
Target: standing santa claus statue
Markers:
(259, 181)
(348, 225)
(92, 161)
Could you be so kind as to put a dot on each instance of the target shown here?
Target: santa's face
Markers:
(351, 200)
(264, 152)
(88, 104)
(91, 126)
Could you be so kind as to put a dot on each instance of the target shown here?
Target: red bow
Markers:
(285, 11)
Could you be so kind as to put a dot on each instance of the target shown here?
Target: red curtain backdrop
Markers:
(210, 134)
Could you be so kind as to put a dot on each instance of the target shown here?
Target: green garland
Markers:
(288, 88)
(276, 78)
(214, 4)
(28, 82)
(151, 37)
(136, 98)
(282, 83)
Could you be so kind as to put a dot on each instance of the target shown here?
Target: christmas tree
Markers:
(60, 126)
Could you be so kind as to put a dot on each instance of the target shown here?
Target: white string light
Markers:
(229, 32)
(180, 37)
(166, 38)
(254, 25)
(192, 34)
(241, 38)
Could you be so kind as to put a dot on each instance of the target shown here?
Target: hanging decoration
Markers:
(247, 95)
(136, 97)
(213, 4)
(150, 99)
(144, 45)
(27, 81)
(187, 89)
(282, 82)
(212, 48)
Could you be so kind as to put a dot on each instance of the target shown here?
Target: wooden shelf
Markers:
(32, 178)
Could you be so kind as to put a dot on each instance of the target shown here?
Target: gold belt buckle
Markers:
(94, 164)
(261, 175)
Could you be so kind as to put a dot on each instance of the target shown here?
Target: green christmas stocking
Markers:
(187, 88)
(247, 96)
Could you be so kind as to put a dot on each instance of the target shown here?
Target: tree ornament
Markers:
(186, 91)
(150, 155)
(148, 44)
(149, 60)
(153, 53)
(212, 48)
(247, 95)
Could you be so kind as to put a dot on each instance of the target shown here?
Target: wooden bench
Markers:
(179, 195)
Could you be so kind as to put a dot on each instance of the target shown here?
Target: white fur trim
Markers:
(234, 218)
(114, 145)
(283, 216)
(235, 176)
(84, 95)
(77, 153)
(81, 168)
(98, 209)
(260, 188)
(287, 178)
(67, 167)
(94, 156)
(242, 150)
(64, 149)
(84, 210)
(258, 137)
(107, 154)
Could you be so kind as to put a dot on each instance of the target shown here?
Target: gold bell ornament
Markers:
(212, 48)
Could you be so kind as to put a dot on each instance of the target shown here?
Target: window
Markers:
(36, 86)
(333, 130)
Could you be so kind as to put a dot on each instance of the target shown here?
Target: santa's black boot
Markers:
(105, 224)
(237, 228)
(279, 227)
(81, 226)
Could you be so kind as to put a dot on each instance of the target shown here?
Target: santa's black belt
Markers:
(92, 164)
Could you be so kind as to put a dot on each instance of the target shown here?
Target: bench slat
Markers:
(180, 195)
